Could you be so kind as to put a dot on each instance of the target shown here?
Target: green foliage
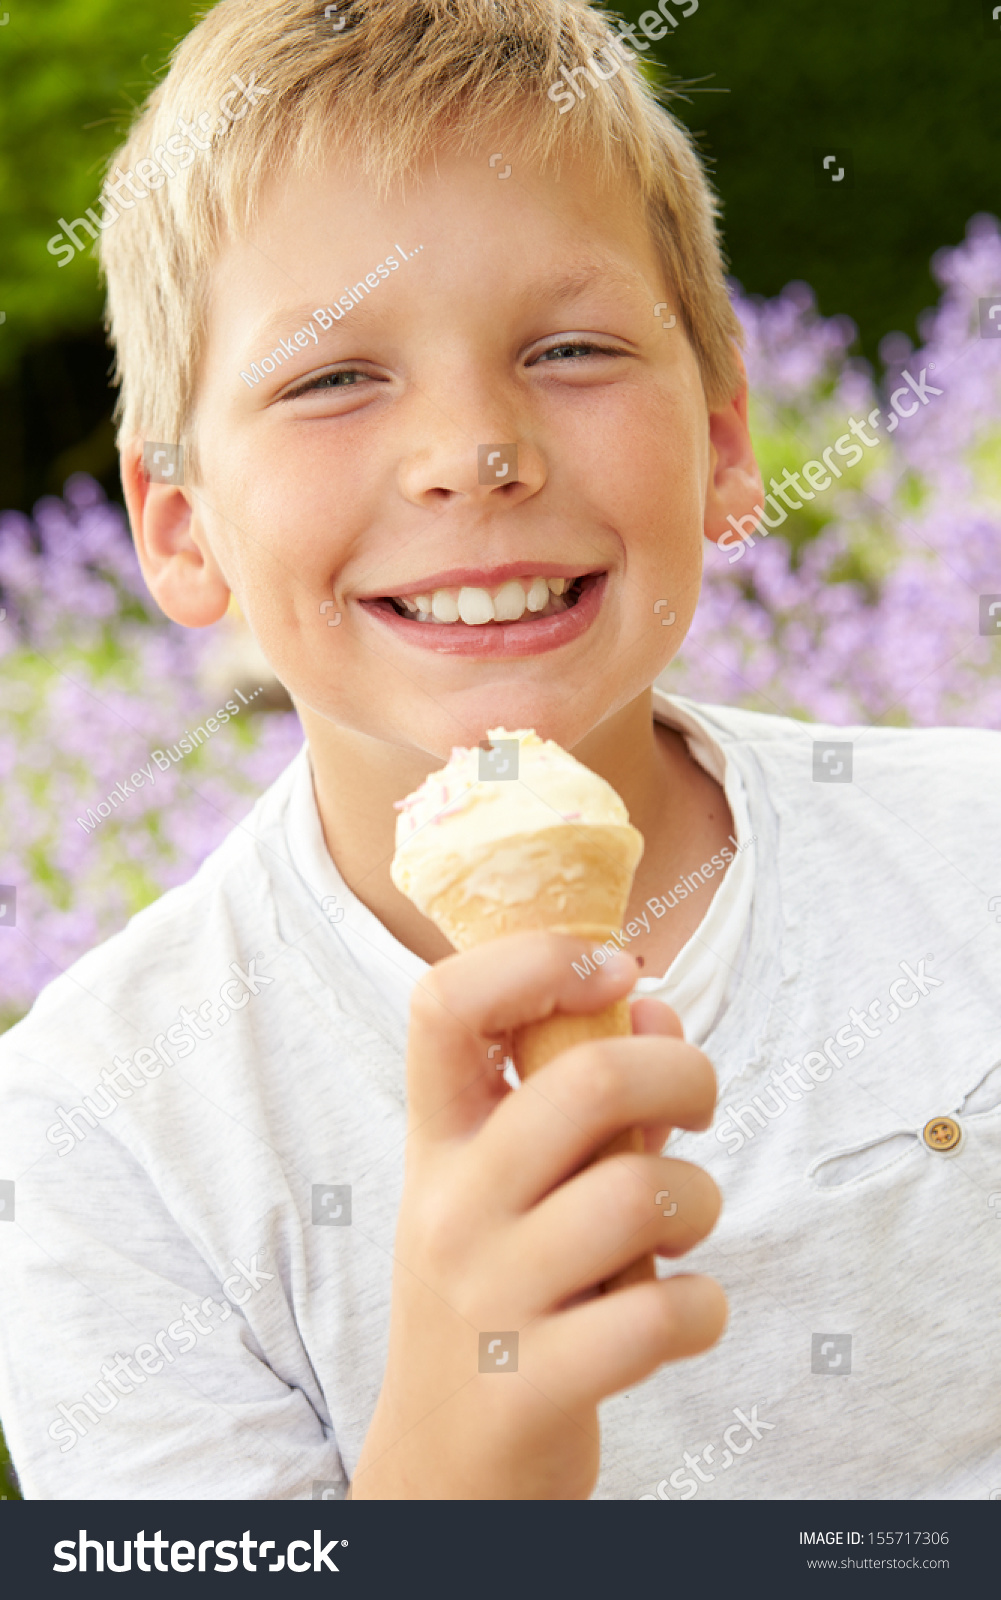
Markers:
(72, 72)
(7, 1489)
(911, 90)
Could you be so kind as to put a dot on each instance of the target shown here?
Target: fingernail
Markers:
(620, 965)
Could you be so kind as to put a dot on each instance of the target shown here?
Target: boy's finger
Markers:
(568, 1111)
(654, 1016)
(579, 1356)
(589, 1229)
(468, 1000)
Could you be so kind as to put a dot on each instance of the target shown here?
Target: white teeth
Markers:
(509, 602)
(475, 606)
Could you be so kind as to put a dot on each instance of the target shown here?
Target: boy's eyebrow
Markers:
(568, 285)
(556, 291)
(287, 323)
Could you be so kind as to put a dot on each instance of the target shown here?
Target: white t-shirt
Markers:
(202, 1127)
(699, 978)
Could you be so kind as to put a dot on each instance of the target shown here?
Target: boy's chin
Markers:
(547, 712)
(435, 724)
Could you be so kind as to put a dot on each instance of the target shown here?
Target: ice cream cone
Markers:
(538, 1042)
(555, 850)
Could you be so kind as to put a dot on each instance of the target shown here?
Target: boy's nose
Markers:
(457, 465)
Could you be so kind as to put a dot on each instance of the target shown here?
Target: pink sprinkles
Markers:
(447, 805)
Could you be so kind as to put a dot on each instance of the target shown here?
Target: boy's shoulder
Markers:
(218, 915)
(897, 801)
(768, 729)
(827, 753)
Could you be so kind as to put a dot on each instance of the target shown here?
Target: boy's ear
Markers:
(175, 557)
(735, 486)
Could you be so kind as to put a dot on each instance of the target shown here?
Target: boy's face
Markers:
(519, 311)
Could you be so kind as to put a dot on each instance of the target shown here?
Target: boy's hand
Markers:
(504, 1229)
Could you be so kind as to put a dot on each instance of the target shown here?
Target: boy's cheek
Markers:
(669, 627)
(279, 551)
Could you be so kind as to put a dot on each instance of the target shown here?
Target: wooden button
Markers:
(942, 1133)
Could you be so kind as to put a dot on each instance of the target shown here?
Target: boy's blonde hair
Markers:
(397, 79)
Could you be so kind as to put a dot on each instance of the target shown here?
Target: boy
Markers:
(282, 1228)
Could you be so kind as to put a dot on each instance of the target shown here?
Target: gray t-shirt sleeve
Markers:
(132, 1366)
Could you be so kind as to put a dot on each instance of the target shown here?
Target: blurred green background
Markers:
(910, 91)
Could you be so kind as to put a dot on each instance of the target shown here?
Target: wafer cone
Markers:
(555, 849)
(538, 1042)
(579, 879)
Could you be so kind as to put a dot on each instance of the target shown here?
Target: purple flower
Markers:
(865, 606)
(93, 679)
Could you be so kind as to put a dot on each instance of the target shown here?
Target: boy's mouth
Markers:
(473, 606)
(518, 613)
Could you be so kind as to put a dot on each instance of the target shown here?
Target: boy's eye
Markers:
(351, 377)
(343, 378)
(569, 349)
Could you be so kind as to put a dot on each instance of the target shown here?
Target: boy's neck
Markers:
(680, 811)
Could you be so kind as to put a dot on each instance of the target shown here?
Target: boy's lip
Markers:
(482, 577)
(497, 640)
